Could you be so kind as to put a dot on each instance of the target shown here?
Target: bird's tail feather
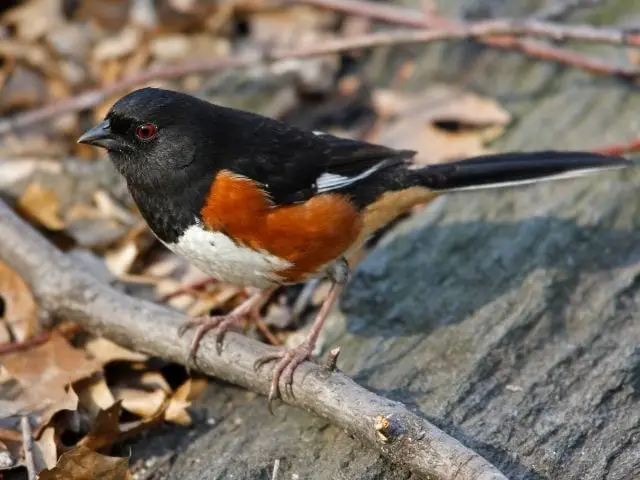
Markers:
(508, 169)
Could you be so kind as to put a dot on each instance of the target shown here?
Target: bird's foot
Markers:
(223, 324)
(249, 309)
(288, 361)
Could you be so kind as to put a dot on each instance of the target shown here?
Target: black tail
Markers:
(507, 169)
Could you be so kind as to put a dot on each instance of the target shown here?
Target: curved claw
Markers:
(289, 360)
(222, 323)
(274, 395)
(192, 322)
(266, 359)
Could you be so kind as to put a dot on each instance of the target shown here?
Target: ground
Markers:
(509, 319)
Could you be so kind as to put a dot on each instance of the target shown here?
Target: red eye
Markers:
(146, 131)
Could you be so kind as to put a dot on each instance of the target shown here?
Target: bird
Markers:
(256, 202)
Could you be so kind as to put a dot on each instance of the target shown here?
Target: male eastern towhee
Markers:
(253, 201)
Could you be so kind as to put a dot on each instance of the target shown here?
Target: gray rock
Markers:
(509, 319)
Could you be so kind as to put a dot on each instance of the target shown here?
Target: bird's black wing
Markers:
(293, 165)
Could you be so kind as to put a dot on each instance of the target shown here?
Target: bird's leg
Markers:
(289, 359)
(250, 308)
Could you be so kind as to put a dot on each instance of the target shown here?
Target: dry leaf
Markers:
(107, 429)
(121, 257)
(34, 19)
(43, 372)
(10, 435)
(68, 402)
(41, 205)
(45, 452)
(119, 261)
(207, 301)
(441, 123)
(120, 45)
(181, 399)
(150, 381)
(10, 450)
(95, 395)
(140, 402)
(19, 311)
(146, 395)
(82, 463)
(25, 87)
(106, 351)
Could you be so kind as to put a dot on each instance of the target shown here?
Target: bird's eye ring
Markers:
(146, 131)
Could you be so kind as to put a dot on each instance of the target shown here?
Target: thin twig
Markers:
(499, 33)
(12, 347)
(402, 16)
(621, 148)
(27, 445)
(276, 468)
(331, 362)
(558, 11)
(65, 290)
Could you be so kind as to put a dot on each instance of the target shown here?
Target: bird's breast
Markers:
(216, 254)
(306, 236)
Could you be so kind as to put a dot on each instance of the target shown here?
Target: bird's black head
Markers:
(151, 134)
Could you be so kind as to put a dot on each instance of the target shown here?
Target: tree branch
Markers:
(407, 17)
(27, 446)
(508, 29)
(66, 291)
(621, 148)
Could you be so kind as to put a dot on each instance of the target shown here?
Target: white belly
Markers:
(217, 255)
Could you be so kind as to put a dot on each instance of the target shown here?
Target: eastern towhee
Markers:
(252, 201)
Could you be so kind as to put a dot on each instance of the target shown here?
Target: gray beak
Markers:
(100, 136)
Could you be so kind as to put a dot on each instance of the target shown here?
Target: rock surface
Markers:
(510, 319)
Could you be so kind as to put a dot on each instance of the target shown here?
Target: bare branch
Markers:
(64, 289)
(499, 33)
(27, 446)
(621, 148)
(402, 16)
(557, 11)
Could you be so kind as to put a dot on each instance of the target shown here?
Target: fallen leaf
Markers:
(207, 301)
(41, 205)
(106, 351)
(441, 123)
(45, 452)
(82, 463)
(107, 429)
(18, 309)
(24, 87)
(140, 402)
(181, 399)
(43, 372)
(10, 435)
(95, 395)
(68, 402)
(10, 453)
(33, 19)
(117, 46)
(145, 394)
(151, 381)
(121, 257)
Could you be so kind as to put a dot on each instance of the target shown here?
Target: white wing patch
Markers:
(332, 181)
